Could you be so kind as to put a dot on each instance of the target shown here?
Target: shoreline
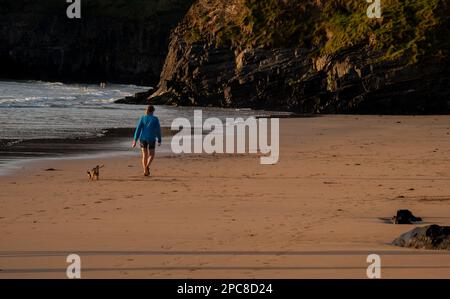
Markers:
(113, 142)
(34, 150)
(103, 140)
(337, 179)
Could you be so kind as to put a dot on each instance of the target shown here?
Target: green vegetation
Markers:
(408, 28)
(404, 29)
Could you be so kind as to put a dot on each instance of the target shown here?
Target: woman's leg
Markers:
(145, 155)
(151, 156)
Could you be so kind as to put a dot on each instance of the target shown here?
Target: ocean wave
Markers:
(50, 83)
(100, 101)
(12, 100)
(8, 143)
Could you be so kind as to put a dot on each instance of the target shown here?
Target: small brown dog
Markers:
(94, 173)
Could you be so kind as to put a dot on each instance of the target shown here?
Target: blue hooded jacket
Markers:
(148, 129)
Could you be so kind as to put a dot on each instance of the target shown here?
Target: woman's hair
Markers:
(150, 109)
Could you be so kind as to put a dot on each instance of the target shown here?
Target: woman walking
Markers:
(148, 131)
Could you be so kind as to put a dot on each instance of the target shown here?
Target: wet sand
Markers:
(318, 213)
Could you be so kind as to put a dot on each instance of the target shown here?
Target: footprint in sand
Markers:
(107, 199)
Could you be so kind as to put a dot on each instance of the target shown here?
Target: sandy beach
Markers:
(318, 213)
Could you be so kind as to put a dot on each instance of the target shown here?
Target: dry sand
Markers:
(316, 214)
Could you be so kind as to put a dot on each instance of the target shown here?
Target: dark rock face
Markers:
(288, 79)
(428, 237)
(204, 75)
(122, 42)
(140, 98)
(405, 217)
(352, 80)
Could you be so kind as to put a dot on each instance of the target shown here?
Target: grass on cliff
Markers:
(404, 30)
(408, 28)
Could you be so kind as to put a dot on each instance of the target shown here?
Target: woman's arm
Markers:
(137, 132)
(158, 131)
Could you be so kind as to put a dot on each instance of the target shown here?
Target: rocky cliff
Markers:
(120, 41)
(310, 56)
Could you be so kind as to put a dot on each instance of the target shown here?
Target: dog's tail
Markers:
(101, 166)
